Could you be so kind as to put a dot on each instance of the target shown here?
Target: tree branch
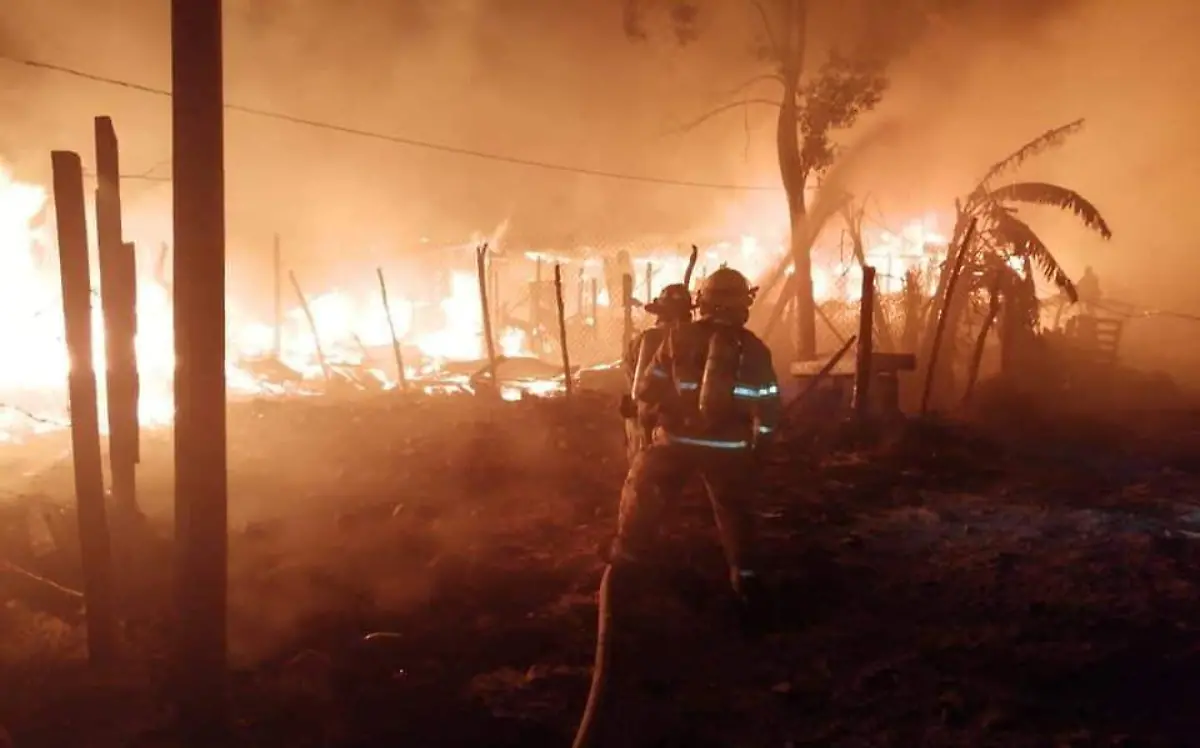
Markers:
(766, 24)
(693, 124)
(750, 82)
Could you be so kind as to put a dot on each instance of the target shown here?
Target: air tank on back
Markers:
(720, 374)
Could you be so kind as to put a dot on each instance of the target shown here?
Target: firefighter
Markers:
(712, 398)
(672, 308)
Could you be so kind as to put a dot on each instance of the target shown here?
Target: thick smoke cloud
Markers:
(560, 82)
(967, 99)
(532, 80)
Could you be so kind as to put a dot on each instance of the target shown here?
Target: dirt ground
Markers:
(1031, 584)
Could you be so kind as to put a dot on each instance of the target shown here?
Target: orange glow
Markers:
(349, 326)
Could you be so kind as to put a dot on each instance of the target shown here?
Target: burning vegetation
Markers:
(369, 501)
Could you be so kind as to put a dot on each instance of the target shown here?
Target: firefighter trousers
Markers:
(655, 480)
(637, 438)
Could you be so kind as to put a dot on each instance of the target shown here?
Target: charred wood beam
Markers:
(94, 542)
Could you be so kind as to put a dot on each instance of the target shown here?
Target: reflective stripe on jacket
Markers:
(672, 385)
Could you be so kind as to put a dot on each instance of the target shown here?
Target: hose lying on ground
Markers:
(583, 736)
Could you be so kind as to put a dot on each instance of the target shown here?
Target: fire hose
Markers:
(587, 724)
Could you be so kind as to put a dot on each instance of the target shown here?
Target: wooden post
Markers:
(626, 310)
(691, 266)
(489, 340)
(562, 328)
(943, 313)
(312, 325)
(118, 296)
(866, 325)
(277, 276)
(94, 544)
(201, 475)
(401, 380)
(649, 281)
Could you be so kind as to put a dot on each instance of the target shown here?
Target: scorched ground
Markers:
(954, 585)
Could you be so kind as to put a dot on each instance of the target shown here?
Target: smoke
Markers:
(541, 81)
(526, 79)
(969, 96)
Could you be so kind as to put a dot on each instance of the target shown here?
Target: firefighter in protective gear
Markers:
(672, 308)
(712, 396)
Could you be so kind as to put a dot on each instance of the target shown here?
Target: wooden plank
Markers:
(118, 294)
(94, 542)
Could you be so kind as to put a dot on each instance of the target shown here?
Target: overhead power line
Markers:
(401, 140)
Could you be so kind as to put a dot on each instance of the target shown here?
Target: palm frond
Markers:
(1044, 193)
(1015, 233)
(1047, 140)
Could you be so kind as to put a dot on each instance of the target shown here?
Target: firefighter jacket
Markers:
(712, 385)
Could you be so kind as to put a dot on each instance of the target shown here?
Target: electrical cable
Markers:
(399, 139)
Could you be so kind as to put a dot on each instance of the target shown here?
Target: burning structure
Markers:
(331, 335)
(325, 336)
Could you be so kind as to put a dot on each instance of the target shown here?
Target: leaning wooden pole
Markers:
(691, 266)
(401, 380)
(201, 477)
(562, 328)
(118, 295)
(488, 338)
(866, 329)
(312, 326)
(944, 313)
(94, 543)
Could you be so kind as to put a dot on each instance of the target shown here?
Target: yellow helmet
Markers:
(726, 289)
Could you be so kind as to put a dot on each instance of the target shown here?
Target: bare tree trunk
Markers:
(794, 173)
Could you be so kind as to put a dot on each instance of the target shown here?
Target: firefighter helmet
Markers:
(674, 301)
(727, 289)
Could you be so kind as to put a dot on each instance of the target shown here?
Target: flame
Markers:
(351, 328)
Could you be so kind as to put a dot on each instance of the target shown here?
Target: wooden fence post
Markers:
(562, 328)
(94, 542)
